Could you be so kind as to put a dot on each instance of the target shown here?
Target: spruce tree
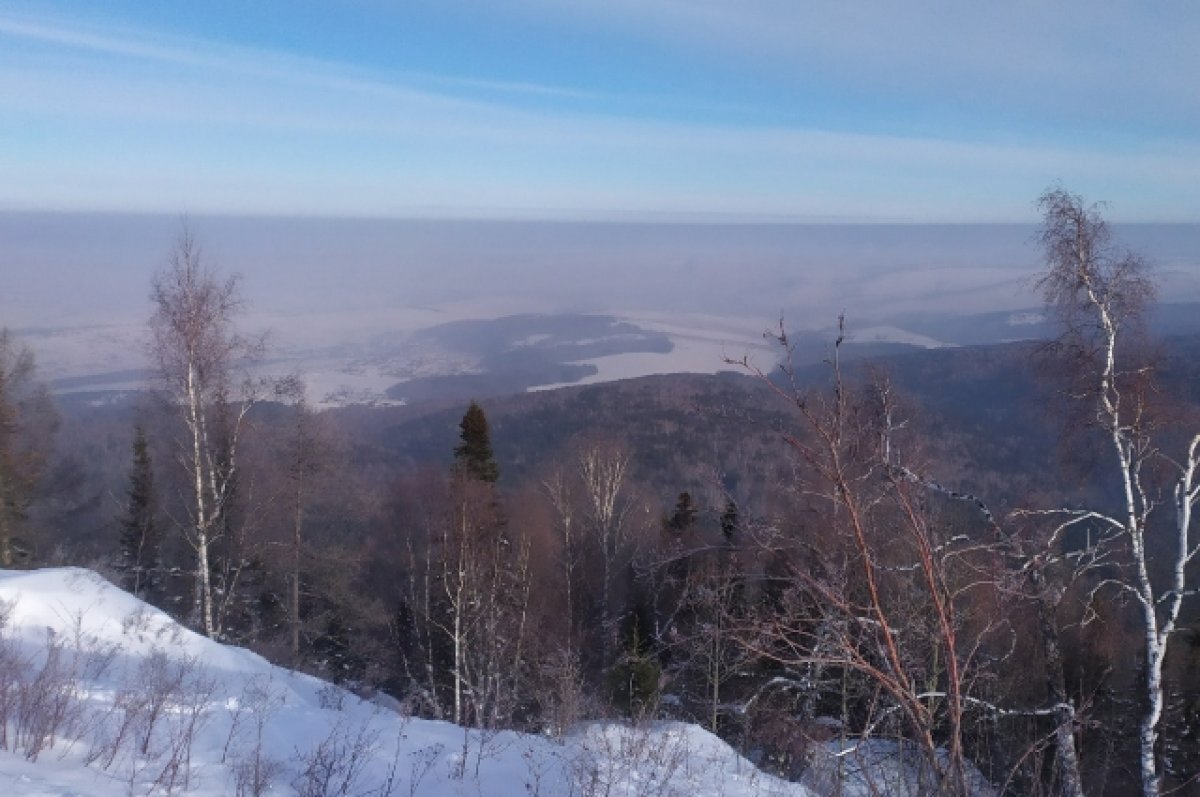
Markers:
(634, 678)
(684, 516)
(27, 425)
(730, 521)
(474, 454)
(140, 533)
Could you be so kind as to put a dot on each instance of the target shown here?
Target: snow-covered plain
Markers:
(354, 358)
(700, 344)
(105, 695)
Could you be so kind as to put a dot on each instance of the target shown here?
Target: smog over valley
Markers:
(361, 307)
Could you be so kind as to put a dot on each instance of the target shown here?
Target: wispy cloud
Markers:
(80, 38)
(119, 118)
(1076, 59)
(191, 52)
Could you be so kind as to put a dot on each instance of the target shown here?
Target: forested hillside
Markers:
(978, 559)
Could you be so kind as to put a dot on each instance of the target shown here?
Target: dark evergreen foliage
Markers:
(634, 677)
(684, 516)
(27, 425)
(474, 454)
(141, 535)
(730, 521)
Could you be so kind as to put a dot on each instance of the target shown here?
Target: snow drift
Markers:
(101, 694)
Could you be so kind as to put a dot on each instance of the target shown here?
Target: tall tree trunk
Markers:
(1070, 782)
(202, 519)
(294, 608)
(6, 552)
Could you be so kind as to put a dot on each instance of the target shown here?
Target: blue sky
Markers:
(628, 109)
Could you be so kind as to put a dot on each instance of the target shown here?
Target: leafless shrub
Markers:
(91, 656)
(137, 622)
(158, 684)
(253, 771)
(188, 715)
(560, 692)
(153, 722)
(335, 766)
(607, 757)
(149, 727)
(331, 697)
(40, 691)
(254, 775)
(540, 770)
(47, 703)
(420, 763)
(12, 671)
(117, 727)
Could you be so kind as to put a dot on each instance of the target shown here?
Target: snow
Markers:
(75, 351)
(877, 766)
(1025, 319)
(891, 334)
(226, 714)
(687, 357)
(701, 344)
(704, 344)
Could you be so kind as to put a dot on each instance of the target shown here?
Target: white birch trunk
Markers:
(195, 420)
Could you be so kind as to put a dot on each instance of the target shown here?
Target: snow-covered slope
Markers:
(101, 694)
(891, 334)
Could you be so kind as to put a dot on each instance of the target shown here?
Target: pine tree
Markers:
(141, 535)
(730, 521)
(474, 454)
(634, 678)
(684, 516)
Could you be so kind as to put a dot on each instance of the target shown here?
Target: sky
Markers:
(747, 110)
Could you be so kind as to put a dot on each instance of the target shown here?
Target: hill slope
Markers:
(104, 695)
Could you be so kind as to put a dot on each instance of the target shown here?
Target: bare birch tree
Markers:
(195, 348)
(479, 572)
(1099, 293)
(603, 468)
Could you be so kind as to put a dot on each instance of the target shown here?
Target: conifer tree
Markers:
(684, 516)
(27, 425)
(141, 535)
(634, 677)
(474, 454)
(730, 521)
(481, 572)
